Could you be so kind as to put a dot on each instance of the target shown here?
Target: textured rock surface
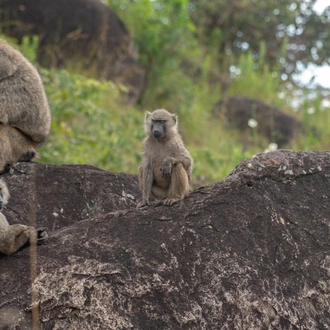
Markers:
(250, 252)
(62, 195)
(83, 31)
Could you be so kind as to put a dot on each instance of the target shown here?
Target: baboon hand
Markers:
(166, 169)
(42, 235)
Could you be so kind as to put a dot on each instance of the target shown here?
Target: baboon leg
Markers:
(5, 149)
(15, 237)
(141, 183)
(158, 192)
(140, 177)
(179, 186)
(14, 147)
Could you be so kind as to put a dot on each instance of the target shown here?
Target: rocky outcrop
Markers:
(77, 31)
(59, 196)
(249, 252)
(245, 114)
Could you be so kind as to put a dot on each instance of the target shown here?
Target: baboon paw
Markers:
(28, 156)
(142, 205)
(166, 170)
(42, 235)
(169, 201)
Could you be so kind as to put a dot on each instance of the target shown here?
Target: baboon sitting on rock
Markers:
(166, 168)
(25, 117)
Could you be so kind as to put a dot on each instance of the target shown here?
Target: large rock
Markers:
(250, 252)
(77, 31)
(59, 196)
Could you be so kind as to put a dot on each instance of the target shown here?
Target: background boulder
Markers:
(272, 123)
(249, 252)
(77, 31)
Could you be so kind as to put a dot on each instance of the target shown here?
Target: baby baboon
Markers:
(25, 117)
(14, 237)
(166, 163)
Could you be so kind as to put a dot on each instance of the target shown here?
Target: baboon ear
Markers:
(175, 118)
(148, 114)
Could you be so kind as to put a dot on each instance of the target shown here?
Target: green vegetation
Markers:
(92, 125)
(88, 125)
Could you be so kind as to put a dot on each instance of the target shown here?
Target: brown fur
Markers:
(166, 169)
(25, 117)
(13, 237)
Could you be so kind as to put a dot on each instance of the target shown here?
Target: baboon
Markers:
(25, 117)
(13, 237)
(166, 168)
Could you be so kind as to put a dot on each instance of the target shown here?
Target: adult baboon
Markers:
(25, 117)
(166, 168)
(14, 237)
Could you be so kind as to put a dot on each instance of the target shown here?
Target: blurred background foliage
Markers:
(195, 53)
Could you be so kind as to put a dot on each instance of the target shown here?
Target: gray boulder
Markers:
(249, 252)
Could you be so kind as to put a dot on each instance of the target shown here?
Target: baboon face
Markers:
(160, 123)
(158, 128)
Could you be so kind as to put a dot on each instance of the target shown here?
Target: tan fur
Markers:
(13, 237)
(166, 169)
(25, 117)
